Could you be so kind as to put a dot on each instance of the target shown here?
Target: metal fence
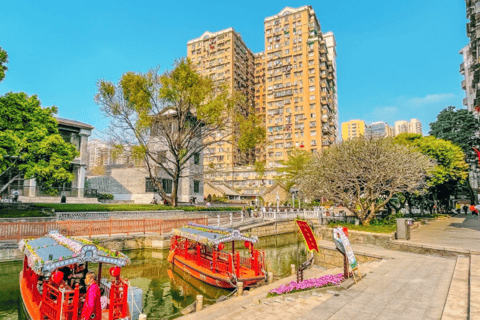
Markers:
(19, 230)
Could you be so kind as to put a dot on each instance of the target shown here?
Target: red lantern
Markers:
(115, 272)
(247, 244)
(57, 277)
(221, 246)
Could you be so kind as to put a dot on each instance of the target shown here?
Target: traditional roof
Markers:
(212, 236)
(53, 251)
(73, 123)
(225, 190)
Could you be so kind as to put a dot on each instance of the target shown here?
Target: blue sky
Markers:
(396, 59)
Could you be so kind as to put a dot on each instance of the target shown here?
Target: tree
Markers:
(460, 127)
(179, 112)
(450, 166)
(293, 166)
(30, 145)
(364, 174)
(3, 61)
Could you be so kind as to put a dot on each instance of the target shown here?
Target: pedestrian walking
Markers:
(473, 210)
(15, 195)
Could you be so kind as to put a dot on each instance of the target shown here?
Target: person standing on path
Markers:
(92, 308)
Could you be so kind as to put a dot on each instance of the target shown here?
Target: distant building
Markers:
(100, 154)
(353, 129)
(379, 129)
(132, 182)
(412, 126)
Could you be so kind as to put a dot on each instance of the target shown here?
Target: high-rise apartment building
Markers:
(470, 68)
(415, 126)
(291, 85)
(300, 80)
(412, 126)
(224, 57)
(353, 129)
(379, 129)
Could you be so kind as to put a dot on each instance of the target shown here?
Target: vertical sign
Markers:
(341, 238)
(307, 235)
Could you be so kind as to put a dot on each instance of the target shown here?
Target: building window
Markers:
(196, 158)
(196, 186)
(149, 185)
(167, 185)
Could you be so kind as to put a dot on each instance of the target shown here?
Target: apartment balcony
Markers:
(465, 102)
(462, 68)
(464, 85)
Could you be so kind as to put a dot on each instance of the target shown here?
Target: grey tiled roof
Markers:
(74, 123)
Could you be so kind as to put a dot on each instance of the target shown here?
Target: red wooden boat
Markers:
(45, 297)
(197, 250)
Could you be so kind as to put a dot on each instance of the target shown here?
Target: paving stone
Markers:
(456, 306)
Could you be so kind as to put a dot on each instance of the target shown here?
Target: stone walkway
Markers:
(459, 231)
(405, 286)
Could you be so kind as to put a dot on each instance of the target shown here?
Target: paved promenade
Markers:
(459, 231)
(404, 286)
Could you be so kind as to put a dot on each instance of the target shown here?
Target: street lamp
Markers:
(278, 202)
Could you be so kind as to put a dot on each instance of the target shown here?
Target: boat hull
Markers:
(214, 279)
(31, 310)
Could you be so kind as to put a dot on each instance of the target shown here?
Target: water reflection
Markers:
(165, 291)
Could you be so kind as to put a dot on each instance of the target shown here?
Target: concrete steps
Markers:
(457, 304)
(474, 287)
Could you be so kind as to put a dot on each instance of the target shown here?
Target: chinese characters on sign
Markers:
(307, 235)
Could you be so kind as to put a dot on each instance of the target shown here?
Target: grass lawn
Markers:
(15, 213)
(71, 207)
(378, 228)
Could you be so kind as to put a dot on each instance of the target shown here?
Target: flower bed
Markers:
(324, 281)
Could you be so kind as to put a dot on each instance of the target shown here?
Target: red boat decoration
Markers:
(47, 291)
(197, 250)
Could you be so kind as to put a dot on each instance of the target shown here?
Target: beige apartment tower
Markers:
(301, 87)
(224, 57)
(291, 85)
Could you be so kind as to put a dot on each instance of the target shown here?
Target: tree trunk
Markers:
(174, 195)
(473, 196)
(9, 183)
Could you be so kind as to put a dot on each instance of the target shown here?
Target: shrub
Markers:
(105, 196)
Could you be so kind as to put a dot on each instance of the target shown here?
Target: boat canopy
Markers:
(212, 236)
(53, 251)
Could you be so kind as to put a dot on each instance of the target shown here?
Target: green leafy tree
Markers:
(460, 127)
(293, 166)
(30, 145)
(450, 166)
(364, 174)
(168, 119)
(3, 61)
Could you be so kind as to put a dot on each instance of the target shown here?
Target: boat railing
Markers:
(57, 300)
(118, 307)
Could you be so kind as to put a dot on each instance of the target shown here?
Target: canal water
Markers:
(165, 293)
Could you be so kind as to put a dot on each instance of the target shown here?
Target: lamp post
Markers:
(278, 202)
